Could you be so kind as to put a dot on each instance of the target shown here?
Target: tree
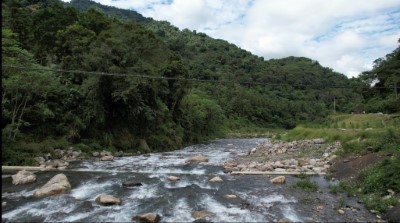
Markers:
(21, 88)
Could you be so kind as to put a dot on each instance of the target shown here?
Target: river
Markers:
(258, 199)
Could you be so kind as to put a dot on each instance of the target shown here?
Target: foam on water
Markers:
(42, 208)
(229, 214)
(290, 214)
(18, 194)
(182, 212)
(91, 189)
(145, 192)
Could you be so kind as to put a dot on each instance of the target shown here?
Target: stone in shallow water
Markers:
(106, 200)
(23, 177)
(107, 158)
(230, 196)
(173, 178)
(196, 159)
(147, 218)
(59, 184)
(202, 214)
(132, 183)
(278, 180)
(284, 220)
(216, 179)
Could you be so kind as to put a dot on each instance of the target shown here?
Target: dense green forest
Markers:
(99, 77)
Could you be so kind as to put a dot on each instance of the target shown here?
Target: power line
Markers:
(177, 78)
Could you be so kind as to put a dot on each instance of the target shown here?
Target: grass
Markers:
(305, 183)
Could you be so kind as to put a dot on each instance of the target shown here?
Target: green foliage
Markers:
(378, 179)
(376, 202)
(203, 117)
(306, 184)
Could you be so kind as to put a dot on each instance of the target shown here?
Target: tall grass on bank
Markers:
(360, 134)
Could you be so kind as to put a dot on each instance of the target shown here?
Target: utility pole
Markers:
(334, 104)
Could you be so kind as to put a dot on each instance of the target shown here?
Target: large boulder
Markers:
(23, 177)
(196, 159)
(278, 180)
(107, 158)
(106, 200)
(59, 184)
(147, 218)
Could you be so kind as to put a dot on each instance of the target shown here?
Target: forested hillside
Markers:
(103, 77)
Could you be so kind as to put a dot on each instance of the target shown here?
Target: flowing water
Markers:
(258, 200)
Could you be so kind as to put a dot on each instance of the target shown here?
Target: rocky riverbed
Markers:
(304, 156)
(190, 185)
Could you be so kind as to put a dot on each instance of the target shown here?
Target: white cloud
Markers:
(344, 35)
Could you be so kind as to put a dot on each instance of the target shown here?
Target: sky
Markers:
(345, 35)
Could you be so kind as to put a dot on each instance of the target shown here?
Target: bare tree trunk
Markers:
(144, 145)
(25, 100)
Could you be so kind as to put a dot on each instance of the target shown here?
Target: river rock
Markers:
(48, 156)
(302, 162)
(196, 159)
(229, 165)
(131, 183)
(106, 200)
(119, 154)
(284, 220)
(341, 211)
(318, 169)
(278, 180)
(202, 214)
(232, 151)
(173, 178)
(105, 153)
(59, 184)
(319, 141)
(23, 177)
(96, 154)
(230, 196)
(107, 158)
(40, 160)
(76, 154)
(215, 179)
(57, 163)
(147, 218)
(3, 204)
(58, 153)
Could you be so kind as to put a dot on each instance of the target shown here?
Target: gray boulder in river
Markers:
(23, 177)
(59, 184)
(106, 200)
